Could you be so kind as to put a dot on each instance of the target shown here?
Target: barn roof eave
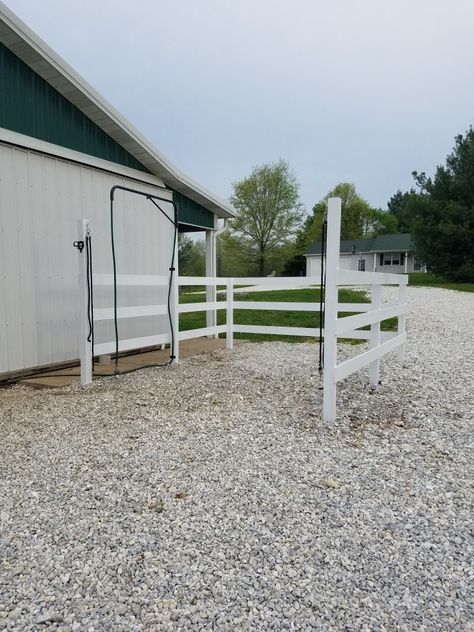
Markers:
(22, 41)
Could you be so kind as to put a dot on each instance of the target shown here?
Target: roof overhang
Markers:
(26, 45)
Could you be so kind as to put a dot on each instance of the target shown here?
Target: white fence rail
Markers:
(335, 326)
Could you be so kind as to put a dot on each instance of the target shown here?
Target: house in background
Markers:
(384, 253)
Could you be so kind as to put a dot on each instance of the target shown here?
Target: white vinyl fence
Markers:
(347, 327)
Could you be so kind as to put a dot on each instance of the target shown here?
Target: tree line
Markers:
(271, 232)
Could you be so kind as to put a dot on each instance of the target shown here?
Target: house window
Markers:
(361, 265)
(391, 259)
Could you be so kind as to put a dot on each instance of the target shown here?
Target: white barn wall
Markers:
(41, 199)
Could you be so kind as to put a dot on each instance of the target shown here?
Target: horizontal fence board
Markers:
(279, 331)
(130, 279)
(353, 277)
(132, 343)
(277, 306)
(289, 306)
(186, 308)
(107, 313)
(192, 280)
(354, 364)
(276, 282)
(361, 320)
(268, 282)
(203, 331)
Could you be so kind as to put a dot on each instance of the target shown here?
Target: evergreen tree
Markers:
(444, 208)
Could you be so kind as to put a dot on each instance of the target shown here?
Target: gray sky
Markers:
(363, 91)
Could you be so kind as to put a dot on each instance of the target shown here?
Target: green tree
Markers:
(234, 256)
(191, 256)
(402, 206)
(379, 222)
(355, 213)
(268, 210)
(296, 263)
(444, 227)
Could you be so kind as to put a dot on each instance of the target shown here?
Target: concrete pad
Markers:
(65, 377)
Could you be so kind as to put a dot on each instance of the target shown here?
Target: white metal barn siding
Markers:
(41, 199)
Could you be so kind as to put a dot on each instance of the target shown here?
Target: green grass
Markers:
(196, 289)
(276, 318)
(421, 279)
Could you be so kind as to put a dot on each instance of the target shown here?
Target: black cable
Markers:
(174, 221)
(90, 295)
(322, 296)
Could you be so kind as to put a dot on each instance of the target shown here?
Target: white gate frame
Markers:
(380, 343)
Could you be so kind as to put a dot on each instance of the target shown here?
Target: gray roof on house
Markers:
(400, 242)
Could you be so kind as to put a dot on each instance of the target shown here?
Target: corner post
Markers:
(330, 308)
(85, 346)
(374, 368)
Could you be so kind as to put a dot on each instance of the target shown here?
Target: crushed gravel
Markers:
(211, 496)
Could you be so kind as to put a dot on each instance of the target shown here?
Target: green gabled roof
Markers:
(400, 242)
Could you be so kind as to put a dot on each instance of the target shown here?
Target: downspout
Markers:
(221, 230)
(211, 270)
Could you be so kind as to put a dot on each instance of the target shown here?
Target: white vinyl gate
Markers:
(347, 327)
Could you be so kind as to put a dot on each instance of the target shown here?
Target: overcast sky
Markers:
(363, 91)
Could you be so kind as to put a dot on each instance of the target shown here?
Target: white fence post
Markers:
(330, 303)
(85, 346)
(402, 298)
(211, 290)
(174, 303)
(374, 369)
(229, 343)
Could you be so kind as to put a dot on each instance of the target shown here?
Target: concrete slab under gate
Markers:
(65, 377)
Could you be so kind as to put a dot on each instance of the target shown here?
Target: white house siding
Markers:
(351, 262)
(313, 266)
(41, 199)
(346, 262)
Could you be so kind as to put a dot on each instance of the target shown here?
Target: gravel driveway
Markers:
(211, 496)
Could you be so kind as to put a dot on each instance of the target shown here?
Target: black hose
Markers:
(90, 295)
(174, 221)
(322, 296)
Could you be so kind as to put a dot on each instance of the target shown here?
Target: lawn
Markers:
(430, 280)
(277, 318)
